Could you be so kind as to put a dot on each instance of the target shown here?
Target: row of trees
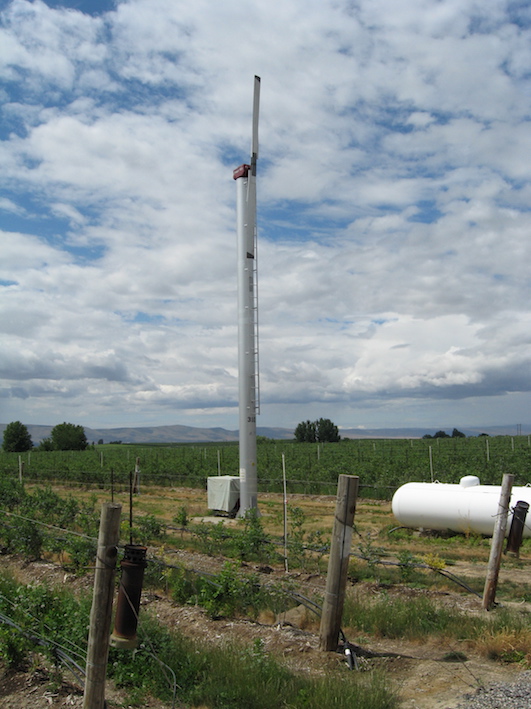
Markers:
(68, 436)
(63, 437)
(324, 431)
(442, 434)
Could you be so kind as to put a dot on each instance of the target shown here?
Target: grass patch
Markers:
(397, 617)
(232, 676)
(502, 634)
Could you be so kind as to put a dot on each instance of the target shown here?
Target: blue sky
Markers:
(394, 189)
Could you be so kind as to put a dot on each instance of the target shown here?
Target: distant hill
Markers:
(190, 434)
(420, 432)
(157, 434)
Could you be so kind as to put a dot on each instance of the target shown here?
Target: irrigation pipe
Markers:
(79, 651)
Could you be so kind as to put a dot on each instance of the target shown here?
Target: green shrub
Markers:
(231, 593)
(148, 528)
(14, 648)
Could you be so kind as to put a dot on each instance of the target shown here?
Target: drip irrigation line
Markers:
(174, 676)
(303, 600)
(79, 651)
(55, 648)
(153, 653)
(443, 572)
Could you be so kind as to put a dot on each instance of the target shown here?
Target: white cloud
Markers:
(393, 210)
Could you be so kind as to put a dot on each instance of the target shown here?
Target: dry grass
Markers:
(506, 645)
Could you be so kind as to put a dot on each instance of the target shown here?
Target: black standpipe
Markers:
(128, 604)
(514, 540)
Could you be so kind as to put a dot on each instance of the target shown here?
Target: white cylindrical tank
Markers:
(466, 507)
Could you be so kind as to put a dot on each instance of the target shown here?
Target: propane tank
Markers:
(464, 507)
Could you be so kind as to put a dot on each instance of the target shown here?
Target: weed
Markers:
(252, 541)
(181, 518)
(205, 534)
(396, 617)
(231, 593)
(434, 561)
(149, 528)
(25, 536)
(407, 563)
(81, 553)
(371, 553)
(14, 649)
(506, 645)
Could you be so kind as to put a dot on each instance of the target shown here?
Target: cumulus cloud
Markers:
(393, 216)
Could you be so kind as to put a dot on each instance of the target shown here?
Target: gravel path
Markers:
(501, 695)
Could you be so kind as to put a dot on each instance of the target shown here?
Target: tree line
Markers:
(63, 437)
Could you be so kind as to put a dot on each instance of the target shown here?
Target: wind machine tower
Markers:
(248, 374)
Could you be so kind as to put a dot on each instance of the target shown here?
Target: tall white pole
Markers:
(245, 177)
(285, 513)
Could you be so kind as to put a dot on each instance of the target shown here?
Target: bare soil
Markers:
(423, 673)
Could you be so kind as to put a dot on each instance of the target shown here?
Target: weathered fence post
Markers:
(136, 480)
(336, 580)
(500, 527)
(100, 613)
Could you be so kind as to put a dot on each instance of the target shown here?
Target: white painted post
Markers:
(285, 514)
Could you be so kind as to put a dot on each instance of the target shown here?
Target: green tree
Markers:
(306, 432)
(458, 434)
(16, 438)
(327, 432)
(68, 437)
(322, 431)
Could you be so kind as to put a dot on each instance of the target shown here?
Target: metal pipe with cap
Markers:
(128, 605)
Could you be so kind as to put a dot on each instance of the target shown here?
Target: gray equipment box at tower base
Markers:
(223, 493)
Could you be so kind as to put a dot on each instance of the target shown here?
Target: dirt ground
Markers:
(424, 678)
(422, 672)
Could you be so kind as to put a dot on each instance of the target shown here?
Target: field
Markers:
(413, 608)
(382, 465)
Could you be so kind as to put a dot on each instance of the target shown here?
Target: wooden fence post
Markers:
(500, 526)
(336, 580)
(100, 613)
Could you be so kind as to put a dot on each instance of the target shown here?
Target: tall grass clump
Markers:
(506, 637)
(399, 617)
(502, 634)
